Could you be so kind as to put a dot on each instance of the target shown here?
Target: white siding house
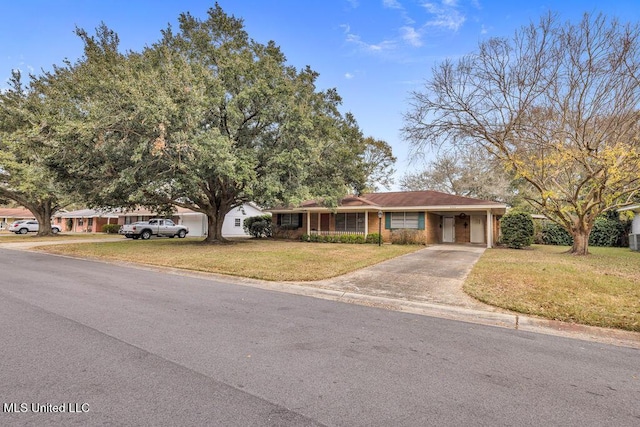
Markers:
(634, 237)
(89, 220)
(233, 221)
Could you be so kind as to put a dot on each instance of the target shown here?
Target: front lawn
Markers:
(7, 237)
(602, 289)
(274, 260)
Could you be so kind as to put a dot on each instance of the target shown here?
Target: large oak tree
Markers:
(206, 118)
(558, 103)
(25, 177)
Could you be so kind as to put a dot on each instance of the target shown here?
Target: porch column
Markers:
(366, 224)
(319, 224)
(489, 229)
(308, 223)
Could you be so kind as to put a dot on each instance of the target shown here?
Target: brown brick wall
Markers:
(432, 228)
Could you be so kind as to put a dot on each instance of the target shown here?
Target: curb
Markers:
(513, 321)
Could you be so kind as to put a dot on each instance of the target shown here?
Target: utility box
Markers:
(634, 242)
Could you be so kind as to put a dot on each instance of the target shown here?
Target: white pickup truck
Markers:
(154, 227)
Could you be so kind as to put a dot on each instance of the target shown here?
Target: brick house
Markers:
(440, 217)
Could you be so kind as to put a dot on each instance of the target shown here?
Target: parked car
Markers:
(25, 226)
(154, 227)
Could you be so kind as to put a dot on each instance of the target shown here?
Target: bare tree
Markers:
(557, 104)
(469, 173)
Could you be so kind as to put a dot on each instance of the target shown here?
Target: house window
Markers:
(290, 220)
(80, 221)
(404, 220)
(351, 222)
(127, 219)
(90, 222)
(237, 222)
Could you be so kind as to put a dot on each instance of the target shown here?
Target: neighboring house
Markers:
(8, 215)
(197, 222)
(84, 220)
(634, 237)
(443, 218)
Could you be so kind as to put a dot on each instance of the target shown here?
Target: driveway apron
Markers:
(434, 274)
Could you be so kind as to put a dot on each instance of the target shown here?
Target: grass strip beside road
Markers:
(273, 260)
(601, 289)
(7, 237)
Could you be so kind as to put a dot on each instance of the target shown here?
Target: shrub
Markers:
(373, 238)
(406, 236)
(606, 231)
(538, 226)
(110, 228)
(338, 238)
(258, 226)
(517, 229)
(553, 234)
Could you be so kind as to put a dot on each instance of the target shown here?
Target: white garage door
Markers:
(197, 225)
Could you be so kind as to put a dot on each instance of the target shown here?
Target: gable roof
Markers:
(15, 213)
(87, 213)
(402, 199)
(425, 198)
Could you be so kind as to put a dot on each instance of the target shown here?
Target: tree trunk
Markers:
(215, 219)
(580, 236)
(42, 212)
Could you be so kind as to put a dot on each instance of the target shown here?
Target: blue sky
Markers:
(375, 52)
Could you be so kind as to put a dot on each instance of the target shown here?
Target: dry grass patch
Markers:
(7, 237)
(258, 259)
(602, 289)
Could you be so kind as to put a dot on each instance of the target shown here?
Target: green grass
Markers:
(273, 260)
(602, 289)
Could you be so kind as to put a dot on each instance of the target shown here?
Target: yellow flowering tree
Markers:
(558, 104)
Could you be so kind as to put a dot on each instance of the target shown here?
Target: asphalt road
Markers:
(114, 345)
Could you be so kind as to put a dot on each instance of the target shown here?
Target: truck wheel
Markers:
(146, 235)
(54, 230)
(24, 231)
(181, 234)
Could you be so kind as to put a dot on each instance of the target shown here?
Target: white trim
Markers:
(634, 208)
(366, 223)
(489, 229)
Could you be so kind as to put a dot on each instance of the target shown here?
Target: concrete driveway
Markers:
(434, 274)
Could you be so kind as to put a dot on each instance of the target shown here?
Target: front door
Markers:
(477, 229)
(324, 222)
(448, 231)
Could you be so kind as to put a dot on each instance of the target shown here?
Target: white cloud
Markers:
(445, 15)
(353, 3)
(348, 76)
(483, 29)
(392, 4)
(370, 47)
(411, 36)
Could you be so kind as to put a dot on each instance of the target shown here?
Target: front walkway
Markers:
(434, 274)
